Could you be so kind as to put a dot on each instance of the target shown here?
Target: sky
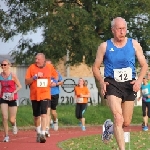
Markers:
(6, 48)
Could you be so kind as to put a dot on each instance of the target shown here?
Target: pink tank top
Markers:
(8, 85)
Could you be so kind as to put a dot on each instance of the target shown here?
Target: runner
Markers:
(38, 77)
(81, 97)
(145, 95)
(119, 86)
(54, 102)
(10, 85)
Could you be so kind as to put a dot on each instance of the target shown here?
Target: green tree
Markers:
(75, 25)
(78, 26)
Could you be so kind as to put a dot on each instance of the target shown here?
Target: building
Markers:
(75, 72)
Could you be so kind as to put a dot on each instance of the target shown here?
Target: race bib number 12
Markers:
(42, 82)
(122, 75)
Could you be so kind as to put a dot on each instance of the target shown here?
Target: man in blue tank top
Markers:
(119, 85)
(52, 106)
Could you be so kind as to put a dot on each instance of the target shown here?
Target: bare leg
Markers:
(4, 110)
(145, 118)
(115, 105)
(48, 118)
(37, 123)
(54, 114)
(43, 122)
(13, 112)
(82, 121)
(127, 111)
(55, 120)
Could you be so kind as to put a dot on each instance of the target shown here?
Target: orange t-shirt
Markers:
(84, 90)
(40, 88)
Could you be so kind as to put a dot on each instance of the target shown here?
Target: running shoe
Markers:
(108, 130)
(83, 128)
(145, 128)
(6, 139)
(14, 129)
(42, 138)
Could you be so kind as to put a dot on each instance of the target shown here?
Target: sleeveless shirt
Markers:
(8, 85)
(118, 58)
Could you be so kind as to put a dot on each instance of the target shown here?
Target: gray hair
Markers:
(114, 21)
(41, 54)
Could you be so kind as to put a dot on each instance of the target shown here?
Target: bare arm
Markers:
(98, 61)
(29, 81)
(17, 83)
(144, 66)
(141, 60)
(59, 83)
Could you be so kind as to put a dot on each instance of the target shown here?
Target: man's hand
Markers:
(103, 87)
(136, 85)
(53, 84)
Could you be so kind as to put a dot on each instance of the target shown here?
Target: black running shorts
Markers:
(80, 110)
(39, 107)
(123, 90)
(54, 101)
(144, 106)
(10, 103)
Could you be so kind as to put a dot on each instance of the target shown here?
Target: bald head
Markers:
(40, 59)
(119, 29)
(117, 20)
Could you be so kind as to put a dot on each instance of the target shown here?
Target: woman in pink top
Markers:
(10, 85)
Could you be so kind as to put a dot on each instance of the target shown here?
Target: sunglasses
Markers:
(4, 64)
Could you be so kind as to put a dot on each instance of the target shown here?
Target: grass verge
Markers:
(138, 141)
(95, 115)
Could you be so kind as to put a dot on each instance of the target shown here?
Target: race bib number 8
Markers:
(80, 100)
(122, 75)
(7, 96)
(42, 82)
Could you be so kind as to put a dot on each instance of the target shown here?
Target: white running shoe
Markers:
(108, 130)
(6, 139)
(14, 129)
(55, 124)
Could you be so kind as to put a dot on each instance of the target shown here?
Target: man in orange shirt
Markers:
(38, 77)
